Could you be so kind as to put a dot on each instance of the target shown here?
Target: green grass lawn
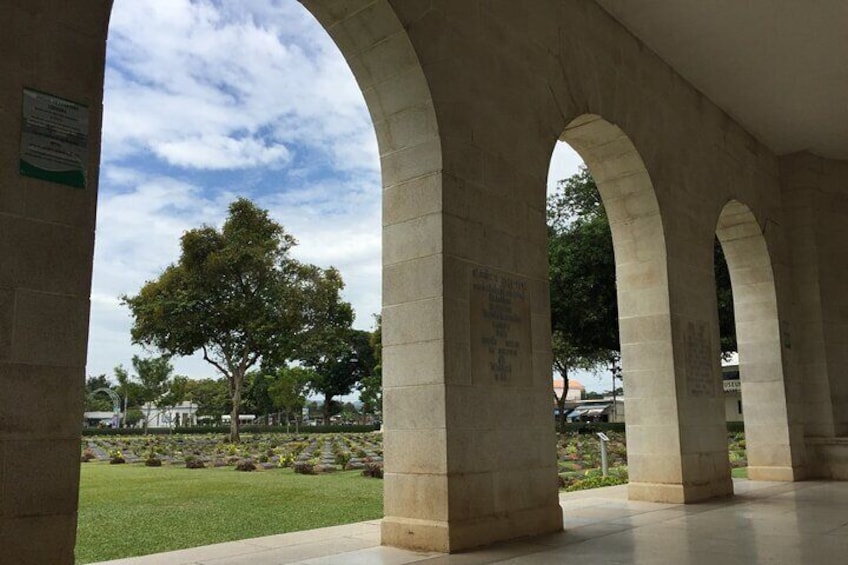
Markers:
(128, 510)
(739, 472)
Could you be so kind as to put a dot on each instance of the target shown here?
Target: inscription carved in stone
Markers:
(699, 361)
(501, 349)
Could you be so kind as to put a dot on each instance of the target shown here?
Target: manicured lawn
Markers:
(128, 510)
(739, 472)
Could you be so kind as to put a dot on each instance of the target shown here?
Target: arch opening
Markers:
(760, 348)
(397, 99)
(644, 324)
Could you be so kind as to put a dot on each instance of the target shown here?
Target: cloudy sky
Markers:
(206, 101)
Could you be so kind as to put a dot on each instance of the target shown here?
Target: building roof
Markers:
(573, 384)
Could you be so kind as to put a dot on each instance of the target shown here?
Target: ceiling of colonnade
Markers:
(779, 67)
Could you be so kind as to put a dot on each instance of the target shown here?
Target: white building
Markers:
(183, 414)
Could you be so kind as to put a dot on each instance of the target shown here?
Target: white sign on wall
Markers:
(54, 139)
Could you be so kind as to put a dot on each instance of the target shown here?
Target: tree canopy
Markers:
(236, 295)
(346, 359)
(152, 382)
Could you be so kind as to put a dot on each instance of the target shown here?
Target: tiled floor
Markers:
(779, 523)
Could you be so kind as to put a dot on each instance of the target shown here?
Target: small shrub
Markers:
(116, 457)
(246, 465)
(305, 468)
(87, 455)
(373, 470)
(192, 462)
(152, 461)
(342, 458)
(286, 460)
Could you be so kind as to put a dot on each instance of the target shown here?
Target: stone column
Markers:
(46, 246)
(773, 429)
(676, 438)
(469, 439)
(815, 199)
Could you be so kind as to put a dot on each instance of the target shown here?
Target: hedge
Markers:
(594, 427)
(225, 430)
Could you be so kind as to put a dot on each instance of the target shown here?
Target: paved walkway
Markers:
(779, 523)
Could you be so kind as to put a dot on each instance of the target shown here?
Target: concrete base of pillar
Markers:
(828, 458)
(454, 536)
(680, 494)
(788, 474)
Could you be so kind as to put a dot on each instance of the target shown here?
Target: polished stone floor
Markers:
(780, 523)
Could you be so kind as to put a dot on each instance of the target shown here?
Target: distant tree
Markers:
(100, 402)
(153, 378)
(371, 386)
(256, 398)
(288, 392)
(212, 397)
(346, 358)
(236, 295)
(130, 392)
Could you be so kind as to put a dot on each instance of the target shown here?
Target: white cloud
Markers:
(185, 76)
(206, 101)
(220, 152)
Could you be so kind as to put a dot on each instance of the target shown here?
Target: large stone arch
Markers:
(468, 99)
(773, 437)
(659, 414)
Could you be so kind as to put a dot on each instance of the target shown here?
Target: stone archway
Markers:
(774, 442)
(660, 414)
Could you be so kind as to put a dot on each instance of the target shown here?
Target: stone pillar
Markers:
(468, 433)
(46, 246)
(773, 427)
(700, 428)
(469, 436)
(676, 439)
(815, 199)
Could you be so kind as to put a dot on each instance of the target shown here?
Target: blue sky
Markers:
(207, 101)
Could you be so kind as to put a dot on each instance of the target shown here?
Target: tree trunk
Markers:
(234, 413)
(326, 410)
(561, 407)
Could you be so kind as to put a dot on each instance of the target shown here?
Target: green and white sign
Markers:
(54, 139)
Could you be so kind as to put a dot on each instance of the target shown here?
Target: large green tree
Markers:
(235, 295)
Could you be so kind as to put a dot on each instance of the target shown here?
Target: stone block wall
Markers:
(46, 249)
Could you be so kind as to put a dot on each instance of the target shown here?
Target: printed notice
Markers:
(54, 139)
(501, 350)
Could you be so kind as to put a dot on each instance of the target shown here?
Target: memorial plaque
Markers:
(54, 139)
(699, 361)
(501, 348)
